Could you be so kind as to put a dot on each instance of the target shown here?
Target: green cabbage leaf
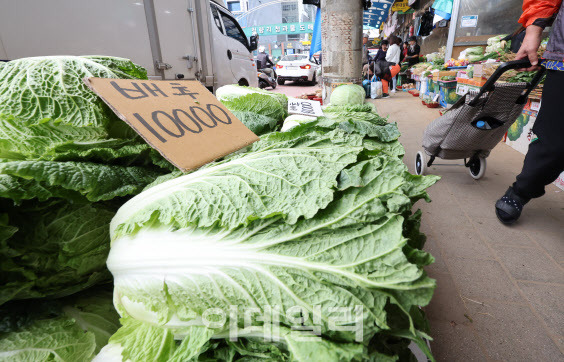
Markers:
(34, 89)
(69, 329)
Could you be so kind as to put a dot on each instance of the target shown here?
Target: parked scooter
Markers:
(265, 81)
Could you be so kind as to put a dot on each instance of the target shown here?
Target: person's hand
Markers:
(530, 46)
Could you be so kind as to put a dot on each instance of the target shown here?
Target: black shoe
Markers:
(508, 208)
(385, 95)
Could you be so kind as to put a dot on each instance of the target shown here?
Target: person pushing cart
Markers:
(545, 159)
(477, 122)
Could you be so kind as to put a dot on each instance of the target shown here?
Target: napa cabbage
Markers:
(67, 163)
(317, 217)
(229, 93)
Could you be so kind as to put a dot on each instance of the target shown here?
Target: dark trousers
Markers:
(545, 158)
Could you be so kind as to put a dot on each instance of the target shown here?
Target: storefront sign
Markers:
(279, 29)
(377, 14)
(180, 119)
(401, 5)
(469, 21)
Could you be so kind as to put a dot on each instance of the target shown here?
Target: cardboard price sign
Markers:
(180, 119)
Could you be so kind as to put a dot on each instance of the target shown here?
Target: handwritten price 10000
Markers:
(193, 121)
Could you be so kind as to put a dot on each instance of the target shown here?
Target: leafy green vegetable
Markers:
(66, 164)
(367, 107)
(53, 141)
(256, 122)
(233, 92)
(34, 89)
(364, 123)
(478, 50)
(55, 249)
(234, 192)
(257, 103)
(73, 180)
(525, 77)
(346, 116)
(317, 217)
(295, 120)
(473, 58)
(69, 329)
(348, 94)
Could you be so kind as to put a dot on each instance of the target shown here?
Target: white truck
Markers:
(172, 39)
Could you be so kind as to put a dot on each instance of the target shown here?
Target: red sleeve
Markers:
(538, 9)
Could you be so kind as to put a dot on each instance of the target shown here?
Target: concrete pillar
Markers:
(341, 34)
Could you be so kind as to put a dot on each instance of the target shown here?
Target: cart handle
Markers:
(504, 67)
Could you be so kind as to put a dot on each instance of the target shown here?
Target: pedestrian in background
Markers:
(413, 51)
(393, 58)
(405, 45)
(365, 56)
(387, 69)
(380, 55)
(545, 159)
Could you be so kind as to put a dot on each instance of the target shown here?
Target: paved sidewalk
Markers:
(500, 293)
(295, 89)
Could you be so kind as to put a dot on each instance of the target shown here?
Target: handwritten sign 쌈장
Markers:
(180, 119)
(305, 107)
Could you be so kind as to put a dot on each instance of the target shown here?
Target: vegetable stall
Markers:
(110, 253)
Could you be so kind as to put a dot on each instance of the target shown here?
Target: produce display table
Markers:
(447, 90)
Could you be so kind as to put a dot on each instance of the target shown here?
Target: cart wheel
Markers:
(420, 163)
(477, 167)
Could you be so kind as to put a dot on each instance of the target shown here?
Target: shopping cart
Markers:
(477, 122)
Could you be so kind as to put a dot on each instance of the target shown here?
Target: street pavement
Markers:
(295, 89)
(500, 290)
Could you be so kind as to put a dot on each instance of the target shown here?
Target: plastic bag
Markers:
(423, 89)
(366, 86)
(376, 90)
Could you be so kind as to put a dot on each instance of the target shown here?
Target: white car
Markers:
(297, 67)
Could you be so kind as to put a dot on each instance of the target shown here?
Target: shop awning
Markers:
(377, 14)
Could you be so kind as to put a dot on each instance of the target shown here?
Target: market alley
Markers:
(499, 289)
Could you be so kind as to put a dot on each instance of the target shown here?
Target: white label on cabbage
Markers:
(305, 107)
